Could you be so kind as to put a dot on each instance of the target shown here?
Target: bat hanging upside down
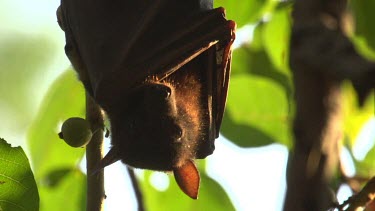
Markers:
(160, 71)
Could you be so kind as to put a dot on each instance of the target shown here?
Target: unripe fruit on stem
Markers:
(76, 132)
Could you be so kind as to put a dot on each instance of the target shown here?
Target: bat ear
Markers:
(187, 177)
(111, 157)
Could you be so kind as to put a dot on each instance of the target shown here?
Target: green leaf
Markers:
(361, 45)
(256, 62)
(211, 196)
(276, 36)
(354, 120)
(65, 99)
(244, 13)
(68, 194)
(257, 39)
(364, 16)
(248, 11)
(18, 190)
(257, 112)
(366, 167)
(354, 116)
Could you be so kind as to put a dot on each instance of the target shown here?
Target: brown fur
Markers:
(152, 131)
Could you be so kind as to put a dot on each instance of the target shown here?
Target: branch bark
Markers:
(361, 199)
(94, 153)
(137, 189)
(321, 58)
(317, 131)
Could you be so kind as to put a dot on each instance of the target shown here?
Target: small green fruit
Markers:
(76, 132)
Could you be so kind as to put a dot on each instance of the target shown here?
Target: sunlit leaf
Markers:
(65, 99)
(257, 112)
(211, 196)
(257, 39)
(256, 62)
(276, 34)
(354, 120)
(354, 116)
(248, 11)
(18, 190)
(242, 61)
(366, 167)
(363, 48)
(244, 13)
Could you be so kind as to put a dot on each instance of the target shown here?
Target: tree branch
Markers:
(94, 153)
(321, 57)
(137, 190)
(361, 199)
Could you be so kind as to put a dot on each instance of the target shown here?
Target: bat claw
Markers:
(111, 157)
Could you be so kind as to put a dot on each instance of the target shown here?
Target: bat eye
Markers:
(178, 132)
(167, 92)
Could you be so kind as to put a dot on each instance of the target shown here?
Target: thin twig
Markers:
(137, 190)
(94, 153)
(362, 198)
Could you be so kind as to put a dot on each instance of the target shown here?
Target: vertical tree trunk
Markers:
(315, 43)
(317, 130)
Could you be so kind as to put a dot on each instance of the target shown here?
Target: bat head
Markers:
(157, 127)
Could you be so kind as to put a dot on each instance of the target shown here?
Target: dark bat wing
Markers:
(224, 56)
(103, 31)
(121, 42)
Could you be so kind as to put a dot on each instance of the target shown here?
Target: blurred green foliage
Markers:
(364, 13)
(23, 59)
(259, 108)
(211, 196)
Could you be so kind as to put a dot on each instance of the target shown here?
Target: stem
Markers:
(94, 153)
(137, 190)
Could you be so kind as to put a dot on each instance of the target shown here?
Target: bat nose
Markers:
(177, 132)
